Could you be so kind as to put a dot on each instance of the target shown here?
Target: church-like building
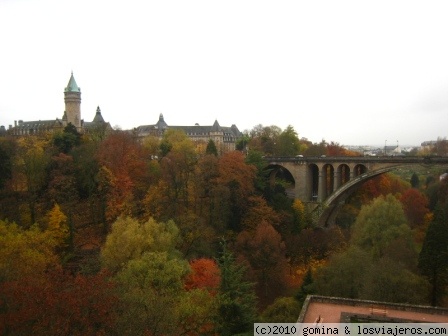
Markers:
(72, 114)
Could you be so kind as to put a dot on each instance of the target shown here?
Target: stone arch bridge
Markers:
(326, 182)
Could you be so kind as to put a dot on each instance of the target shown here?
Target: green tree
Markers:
(150, 290)
(237, 301)
(242, 143)
(380, 225)
(211, 148)
(287, 142)
(307, 287)
(433, 259)
(255, 158)
(283, 310)
(381, 262)
(344, 274)
(67, 139)
(389, 281)
(415, 181)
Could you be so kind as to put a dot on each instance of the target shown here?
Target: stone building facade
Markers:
(224, 137)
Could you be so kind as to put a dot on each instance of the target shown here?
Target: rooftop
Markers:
(342, 310)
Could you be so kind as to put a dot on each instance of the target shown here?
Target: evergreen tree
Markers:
(433, 259)
(68, 139)
(237, 301)
(307, 287)
(415, 181)
(211, 148)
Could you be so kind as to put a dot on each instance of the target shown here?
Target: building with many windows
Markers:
(224, 137)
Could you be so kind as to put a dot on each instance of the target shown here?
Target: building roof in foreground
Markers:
(341, 310)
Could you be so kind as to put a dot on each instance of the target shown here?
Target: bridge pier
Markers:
(321, 189)
(336, 179)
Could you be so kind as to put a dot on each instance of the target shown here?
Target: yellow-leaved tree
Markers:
(57, 226)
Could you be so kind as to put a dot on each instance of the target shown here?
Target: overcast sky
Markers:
(353, 72)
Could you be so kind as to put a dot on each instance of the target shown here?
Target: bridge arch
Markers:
(313, 173)
(280, 173)
(331, 206)
(359, 169)
(328, 181)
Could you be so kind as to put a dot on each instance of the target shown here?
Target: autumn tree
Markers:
(205, 274)
(58, 303)
(205, 187)
(107, 196)
(25, 252)
(198, 309)
(57, 226)
(440, 147)
(31, 164)
(264, 138)
(152, 146)
(129, 239)
(171, 196)
(125, 160)
(415, 205)
(335, 149)
(314, 244)
(237, 178)
(383, 184)
(317, 149)
(265, 251)
(258, 211)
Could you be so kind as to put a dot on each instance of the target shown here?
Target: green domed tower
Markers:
(72, 97)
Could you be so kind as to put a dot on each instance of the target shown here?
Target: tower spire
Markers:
(72, 86)
(72, 97)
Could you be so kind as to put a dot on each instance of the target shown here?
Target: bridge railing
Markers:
(361, 159)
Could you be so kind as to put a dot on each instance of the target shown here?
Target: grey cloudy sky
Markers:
(353, 72)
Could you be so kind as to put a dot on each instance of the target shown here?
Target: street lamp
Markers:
(385, 145)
